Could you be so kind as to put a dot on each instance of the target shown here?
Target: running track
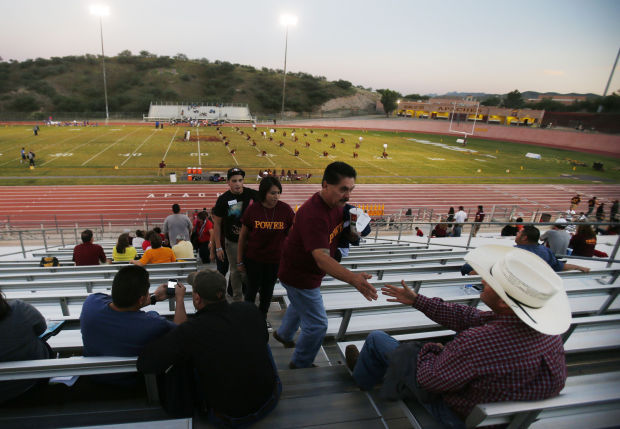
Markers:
(31, 206)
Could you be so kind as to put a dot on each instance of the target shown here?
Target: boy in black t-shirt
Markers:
(227, 221)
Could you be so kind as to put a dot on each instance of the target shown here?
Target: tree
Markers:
(125, 53)
(181, 57)
(493, 100)
(344, 84)
(388, 99)
(513, 100)
(415, 97)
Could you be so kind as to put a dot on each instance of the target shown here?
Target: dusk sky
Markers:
(408, 45)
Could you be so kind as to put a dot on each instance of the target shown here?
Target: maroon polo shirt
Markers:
(88, 254)
(316, 226)
(268, 230)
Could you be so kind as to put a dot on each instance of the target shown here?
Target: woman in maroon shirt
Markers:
(264, 227)
(584, 242)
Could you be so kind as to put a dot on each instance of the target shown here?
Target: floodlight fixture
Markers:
(286, 20)
(102, 10)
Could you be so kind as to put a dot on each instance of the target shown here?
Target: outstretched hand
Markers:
(403, 295)
(360, 282)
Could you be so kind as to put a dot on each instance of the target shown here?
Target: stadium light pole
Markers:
(101, 11)
(286, 20)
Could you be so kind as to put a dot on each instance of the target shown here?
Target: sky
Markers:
(411, 46)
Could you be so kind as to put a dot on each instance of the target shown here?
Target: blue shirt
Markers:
(107, 332)
(538, 249)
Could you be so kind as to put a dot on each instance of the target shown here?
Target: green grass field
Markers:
(89, 155)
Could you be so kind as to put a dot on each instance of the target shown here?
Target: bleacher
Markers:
(201, 112)
(326, 396)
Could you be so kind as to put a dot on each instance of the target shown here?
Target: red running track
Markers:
(30, 206)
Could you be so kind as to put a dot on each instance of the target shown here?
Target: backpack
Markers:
(49, 261)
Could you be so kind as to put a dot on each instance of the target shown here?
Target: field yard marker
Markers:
(170, 144)
(299, 157)
(42, 148)
(130, 155)
(108, 147)
(73, 149)
(268, 159)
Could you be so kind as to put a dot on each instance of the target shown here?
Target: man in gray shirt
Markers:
(557, 238)
(177, 224)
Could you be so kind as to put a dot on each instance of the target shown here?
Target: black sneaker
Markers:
(351, 354)
(286, 344)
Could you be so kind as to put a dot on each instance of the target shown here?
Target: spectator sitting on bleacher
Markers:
(138, 239)
(156, 254)
(123, 252)
(513, 352)
(20, 327)
(116, 326)
(557, 238)
(227, 345)
(88, 253)
(183, 249)
(527, 239)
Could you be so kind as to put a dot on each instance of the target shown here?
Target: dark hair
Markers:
(335, 171)
(139, 233)
(586, 231)
(265, 186)
(129, 284)
(87, 235)
(519, 219)
(461, 208)
(5, 308)
(480, 208)
(154, 238)
(157, 229)
(451, 210)
(176, 208)
(532, 233)
(202, 215)
(122, 243)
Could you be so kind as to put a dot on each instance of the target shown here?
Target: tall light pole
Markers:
(286, 20)
(101, 11)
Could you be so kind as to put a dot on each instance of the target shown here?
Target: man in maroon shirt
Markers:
(512, 353)
(88, 253)
(308, 254)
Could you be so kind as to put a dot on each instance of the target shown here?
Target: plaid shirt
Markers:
(493, 358)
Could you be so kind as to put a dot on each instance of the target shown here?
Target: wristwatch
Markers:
(153, 300)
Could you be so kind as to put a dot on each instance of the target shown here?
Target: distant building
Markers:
(468, 110)
(564, 99)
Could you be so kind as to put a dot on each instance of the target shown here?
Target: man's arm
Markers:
(358, 280)
(243, 241)
(568, 267)
(444, 369)
(217, 231)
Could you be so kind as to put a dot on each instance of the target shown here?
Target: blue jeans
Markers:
(306, 310)
(456, 231)
(372, 364)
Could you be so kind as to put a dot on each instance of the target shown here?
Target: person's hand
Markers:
(241, 267)
(179, 292)
(403, 295)
(583, 269)
(220, 254)
(360, 282)
(160, 293)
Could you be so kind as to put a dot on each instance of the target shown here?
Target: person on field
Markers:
(31, 157)
(23, 155)
(307, 256)
(512, 352)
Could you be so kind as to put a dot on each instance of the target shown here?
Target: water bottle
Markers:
(469, 289)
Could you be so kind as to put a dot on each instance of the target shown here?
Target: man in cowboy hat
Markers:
(513, 352)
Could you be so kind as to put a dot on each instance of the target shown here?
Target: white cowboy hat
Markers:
(526, 283)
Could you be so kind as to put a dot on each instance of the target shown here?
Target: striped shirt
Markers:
(493, 358)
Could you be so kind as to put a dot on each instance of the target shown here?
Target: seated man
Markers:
(557, 237)
(227, 345)
(512, 353)
(88, 253)
(183, 249)
(527, 239)
(156, 254)
(116, 326)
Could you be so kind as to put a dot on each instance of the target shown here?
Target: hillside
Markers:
(74, 84)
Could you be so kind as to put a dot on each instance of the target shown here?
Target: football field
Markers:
(122, 154)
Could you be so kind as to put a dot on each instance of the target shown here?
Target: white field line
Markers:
(170, 144)
(108, 147)
(236, 162)
(139, 146)
(298, 157)
(198, 139)
(268, 159)
(73, 149)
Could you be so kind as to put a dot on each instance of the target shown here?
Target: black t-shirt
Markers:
(230, 208)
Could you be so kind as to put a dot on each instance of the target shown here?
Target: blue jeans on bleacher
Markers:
(306, 310)
(372, 364)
